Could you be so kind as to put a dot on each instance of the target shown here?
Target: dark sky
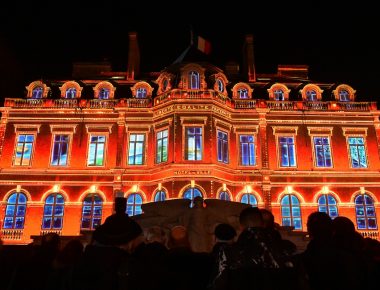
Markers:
(42, 40)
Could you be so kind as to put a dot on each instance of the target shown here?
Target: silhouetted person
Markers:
(328, 266)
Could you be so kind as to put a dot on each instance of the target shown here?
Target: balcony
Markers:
(192, 94)
(11, 234)
(370, 234)
(244, 104)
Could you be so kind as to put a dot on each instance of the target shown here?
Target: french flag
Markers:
(203, 44)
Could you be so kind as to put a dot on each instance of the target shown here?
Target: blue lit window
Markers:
(193, 143)
(242, 93)
(247, 150)
(222, 147)
(96, 150)
(357, 152)
(224, 195)
(249, 198)
(53, 212)
(91, 212)
(327, 204)
(141, 93)
(23, 152)
(311, 96)
(37, 93)
(162, 146)
(279, 95)
(160, 195)
(191, 193)
(291, 211)
(60, 150)
(194, 80)
(104, 94)
(365, 212)
(71, 93)
(322, 152)
(134, 202)
(220, 85)
(136, 149)
(15, 211)
(344, 96)
(287, 151)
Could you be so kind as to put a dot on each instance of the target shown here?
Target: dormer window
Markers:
(104, 94)
(71, 93)
(279, 95)
(141, 93)
(344, 93)
(278, 92)
(311, 96)
(165, 85)
(194, 80)
(220, 86)
(37, 93)
(243, 93)
(344, 96)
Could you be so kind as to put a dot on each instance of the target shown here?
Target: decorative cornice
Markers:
(349, 131)
(285, 129)
(54, 128)
(194, 120)
(27, 127)
(320, 130)
(91, 128)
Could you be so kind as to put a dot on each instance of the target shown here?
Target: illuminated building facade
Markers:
(279, 141)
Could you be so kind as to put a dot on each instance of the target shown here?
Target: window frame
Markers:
(156, 131)
(92, 216)
(16, 205)
(279, 155)
(190, 79)
(217, 145)
(18, 133)
(364, 204)
(327, 204)
(160, 191)
(254, 135)
(185, 142)
(134, 204)
(365, 150)
(145, 145)
(55, 133)
(93, 133)
(53, 215)
(315, 164)
(290, 205)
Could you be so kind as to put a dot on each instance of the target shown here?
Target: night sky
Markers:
(41, 41)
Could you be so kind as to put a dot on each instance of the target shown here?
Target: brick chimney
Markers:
(249, 61)
(133, 57)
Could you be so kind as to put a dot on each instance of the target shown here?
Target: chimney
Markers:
(249, 61)
(133, 57)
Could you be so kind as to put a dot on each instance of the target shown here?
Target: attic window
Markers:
(37, 93)
(311, 95)
(71, 93)
(104, 93)
(220, 85)
(344, 96)
(242, 93)
(279, 95)
(194, 80)
(141, 93)
(165, 85)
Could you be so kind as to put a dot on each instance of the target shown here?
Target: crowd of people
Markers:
(123, 256)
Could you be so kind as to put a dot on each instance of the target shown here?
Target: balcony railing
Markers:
(44, 232)
(190, 94)
(11, 234)
(370, 234)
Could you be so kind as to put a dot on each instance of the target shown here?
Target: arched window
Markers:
(327, 204)
(311, 95)
(279, 95)
(160, 195)
(242, 93)
(104, 94)
(134, 202)
(220, 85)
(224, 195)
(191, 193)
(249, 198)
(91, 212)
(344, 96)
(365, 212)
(194, 80)
(71, 93)
(15, 211)
(165, 84)
(37, 93)
(53, 212)
(141, 93)
(291, 211)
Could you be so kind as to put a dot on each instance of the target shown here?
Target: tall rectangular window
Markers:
(322, 151)
(24, 147)
(96, 150)
(222, 147)
(357, 152)
(247, 150)
(136, 149)
(162, 146)
(194, 143)
(287, 151)
(60, 150)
